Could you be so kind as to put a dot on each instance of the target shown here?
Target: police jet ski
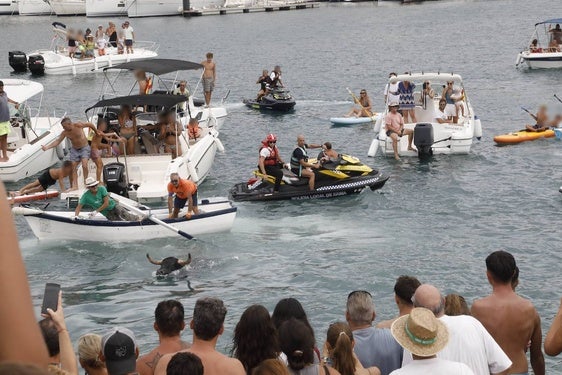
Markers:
(345, 176)
(277, 99)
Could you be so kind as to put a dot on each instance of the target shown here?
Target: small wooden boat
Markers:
(522, 136)
(216, 215)
(41, 195)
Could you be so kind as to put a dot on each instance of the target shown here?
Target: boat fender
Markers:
(60, 151)
(220, 146)
(192, 172)
(25, 211)
(518, 60)
(378, 124)
(373, 148)
(477, 128)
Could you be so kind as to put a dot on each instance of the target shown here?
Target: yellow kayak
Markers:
(522, 136)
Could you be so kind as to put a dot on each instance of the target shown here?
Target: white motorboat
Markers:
(29, 132)
(8, 7)
(68, 7)
(216, 215)
(544, 50)
(151, 8)
(144, 176)
(56, 60)
(430, 136)
(34, 7)
(105, 8)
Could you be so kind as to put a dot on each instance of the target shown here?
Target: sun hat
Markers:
(420, 332)
(90, 181)
(394, 104)
(119, 347)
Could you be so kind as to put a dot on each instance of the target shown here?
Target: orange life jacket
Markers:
(272, 158)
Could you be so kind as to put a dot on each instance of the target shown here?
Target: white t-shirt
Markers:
(388, 89)
(471, 344)
(101, 43)
(265, 152)
(434, 366)
(440, 115)
(128, 32)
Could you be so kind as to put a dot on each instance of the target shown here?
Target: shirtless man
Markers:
(394, 123)
(169, 323)
(80, 150)
(98, 147)
(511, 320)
(207, 325)
(209, 77)
(170, 130)
(48, 178)
(541, 119)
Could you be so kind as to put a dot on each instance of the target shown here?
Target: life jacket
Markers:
(271, 160)
(295, 163)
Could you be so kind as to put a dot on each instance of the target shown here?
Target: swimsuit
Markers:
(46, 180)
(77, 154)
(208, 84)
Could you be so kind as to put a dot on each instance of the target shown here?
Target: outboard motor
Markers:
(114, 178)
(36, 64)
(18, 61)
(423, 139)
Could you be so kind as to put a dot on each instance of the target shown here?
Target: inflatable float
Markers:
(354, 120)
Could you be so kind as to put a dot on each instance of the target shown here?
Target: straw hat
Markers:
(90, 181)
(420, 332)
(394, 104)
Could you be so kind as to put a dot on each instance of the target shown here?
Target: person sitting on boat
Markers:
(264, 81)
(97, 198)
(365, 105)
(100, 44)
(329, 154)
(79, 150)
(275, 77)
(534, 47)
(440, 115)
(80, 42)
(128, 128)
(90, 46)
(394, 124)
(270, 162)
(5, 122)
(182, 90)
(541, 119)
(556, 122)
(170, 131)
(98, 147)
(553, 46)
(299, 161)
(185, 191)
(100, 33)
(48, 178)
(193, 129)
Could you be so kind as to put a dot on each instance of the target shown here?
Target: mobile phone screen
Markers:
(50, 298)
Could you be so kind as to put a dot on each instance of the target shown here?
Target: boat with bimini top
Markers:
(544, 49)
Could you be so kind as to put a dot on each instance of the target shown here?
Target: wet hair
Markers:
(50, 335)
(88, 350)
(66, 164)
(65, 120)
(209, 55)
(255, 338)
(501, 266)
(288, 308)
(340, 339)
(169, 317)
(328, 145)
(208, 317)
(185, 364)
(8, 368)
(456, 305)
(360, 307)
(297, 342)
(405, 288)
(271, 367)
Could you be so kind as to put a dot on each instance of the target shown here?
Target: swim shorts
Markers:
(129, 42)
(4, 128)
(180, 203)
(79, 154)
(208, 84)
(46, 180)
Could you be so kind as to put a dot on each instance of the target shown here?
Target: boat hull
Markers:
(34, 8)
(150, 8)
(68, 7)
(549, 60)
(56, 226)
(522, 136)
(105, 8)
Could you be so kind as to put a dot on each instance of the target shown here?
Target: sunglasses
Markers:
(356, 292)
(175, 181)
(272, 142)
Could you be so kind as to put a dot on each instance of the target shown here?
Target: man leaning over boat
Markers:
(98, 198)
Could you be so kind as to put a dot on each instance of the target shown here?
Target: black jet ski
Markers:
(342, 177)
(277, 99)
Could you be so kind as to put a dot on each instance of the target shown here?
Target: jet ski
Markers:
(277, 99)
(345, 176)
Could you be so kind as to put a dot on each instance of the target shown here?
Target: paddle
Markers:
(151, 217)
(356, 99)
(529, 112)
(560, 100)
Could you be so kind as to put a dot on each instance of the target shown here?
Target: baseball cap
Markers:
(119, 347)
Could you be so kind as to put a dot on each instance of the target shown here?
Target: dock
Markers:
(249, 9)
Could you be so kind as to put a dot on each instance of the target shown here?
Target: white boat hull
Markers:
(34, 7)
(8, 7)
(217, 216)
(548, 60)
(68, 7)
(105, 8)
(151, 8)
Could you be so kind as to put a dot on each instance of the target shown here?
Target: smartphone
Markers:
(50, 298)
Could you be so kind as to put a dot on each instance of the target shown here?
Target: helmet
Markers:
(271, 138)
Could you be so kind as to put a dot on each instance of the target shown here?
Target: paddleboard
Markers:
(522, 136)
(353, 120)
(48, 194)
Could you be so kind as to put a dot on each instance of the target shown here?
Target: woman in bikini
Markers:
(170, 130)
(128, 128)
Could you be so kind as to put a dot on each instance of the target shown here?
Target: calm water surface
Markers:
(436, 220)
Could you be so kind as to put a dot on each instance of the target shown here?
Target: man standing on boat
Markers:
(129, 36)
(209, 77)
(80, 150)
(185, 191)
(98, 198)
(5, 121)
